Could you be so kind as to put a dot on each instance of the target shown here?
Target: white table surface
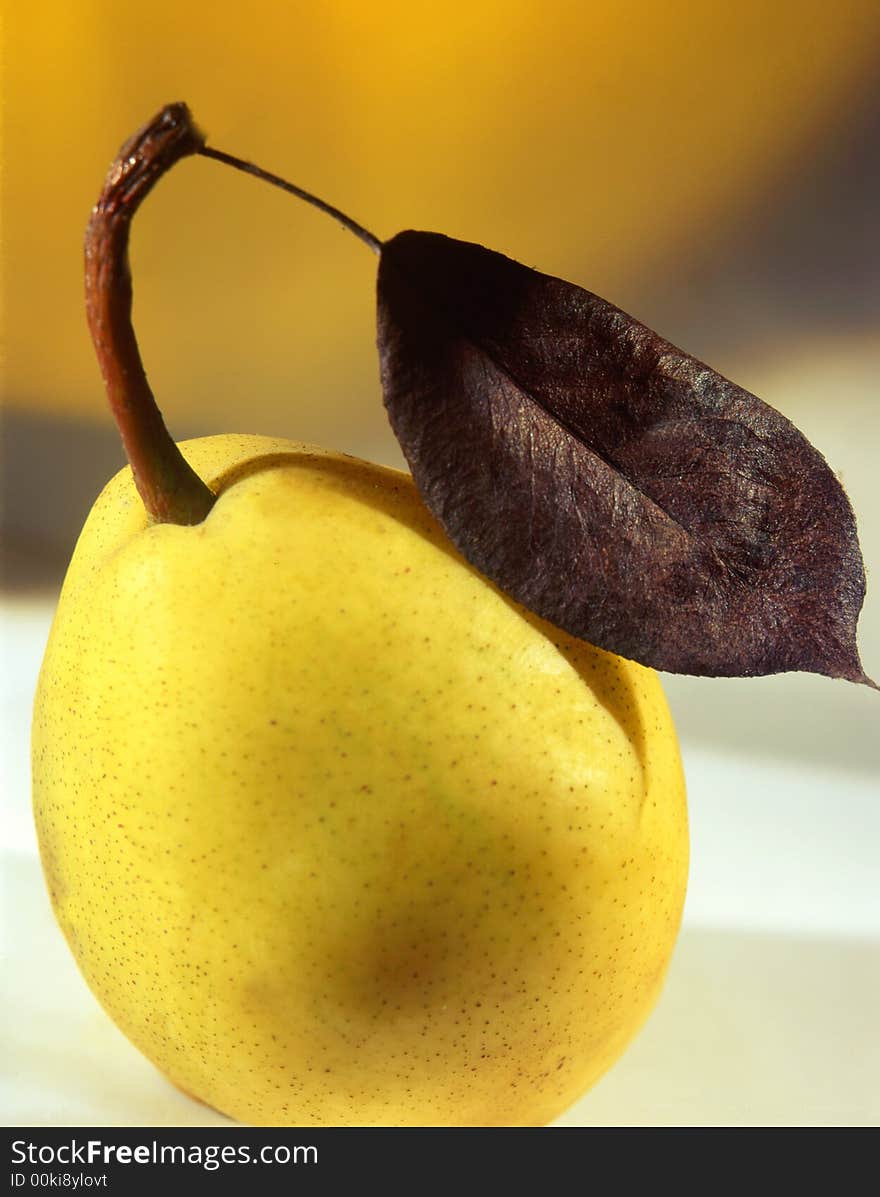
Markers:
(769, 1015)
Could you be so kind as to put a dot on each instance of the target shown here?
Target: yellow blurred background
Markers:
(710, 168)
(599, 141)
(713, 168)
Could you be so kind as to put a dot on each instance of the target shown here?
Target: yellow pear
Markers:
(337, 832)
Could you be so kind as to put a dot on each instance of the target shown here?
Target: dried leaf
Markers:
(608, 481)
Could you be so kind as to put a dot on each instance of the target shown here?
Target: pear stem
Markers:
(257, 171)
(170, 489)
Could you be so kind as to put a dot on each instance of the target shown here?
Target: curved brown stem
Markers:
(171, 491)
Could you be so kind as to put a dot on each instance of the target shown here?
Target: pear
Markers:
(337, 832)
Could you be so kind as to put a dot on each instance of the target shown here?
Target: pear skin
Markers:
(338, 833)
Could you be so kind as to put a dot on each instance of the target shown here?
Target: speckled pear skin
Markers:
(337, 833)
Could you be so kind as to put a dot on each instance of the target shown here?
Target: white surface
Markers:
(768, 1017)
(752, 1029)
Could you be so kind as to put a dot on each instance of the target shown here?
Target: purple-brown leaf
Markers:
(608, 481)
